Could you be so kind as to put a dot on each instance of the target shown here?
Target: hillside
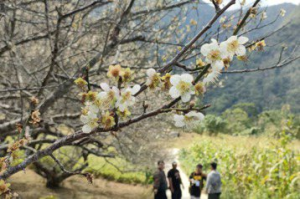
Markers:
(268, 89)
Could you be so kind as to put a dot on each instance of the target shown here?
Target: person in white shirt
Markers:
(213, 183)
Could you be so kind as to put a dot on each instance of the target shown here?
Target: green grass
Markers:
(117, 169)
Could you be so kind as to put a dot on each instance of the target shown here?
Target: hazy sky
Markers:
(264, 2)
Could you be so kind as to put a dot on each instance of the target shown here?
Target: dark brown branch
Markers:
(262, 69)
(189, 44)
(241, 24)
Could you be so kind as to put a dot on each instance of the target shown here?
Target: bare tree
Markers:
(46, 45)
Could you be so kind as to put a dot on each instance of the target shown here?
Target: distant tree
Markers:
(238, 120)
(213, 125)
(249, 108)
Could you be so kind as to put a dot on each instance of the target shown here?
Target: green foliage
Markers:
(249, 108)
(68, 156)
(117, 169)
(211, 125)
(237, 119)
(244, 119)
(271, 171)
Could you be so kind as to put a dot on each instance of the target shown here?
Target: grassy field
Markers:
(117, 170)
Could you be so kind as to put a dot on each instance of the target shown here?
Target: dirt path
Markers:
(184, 178)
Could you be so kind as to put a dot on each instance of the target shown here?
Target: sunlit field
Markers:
(256, 167)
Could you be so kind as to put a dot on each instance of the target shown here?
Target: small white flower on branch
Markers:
(108, 96)
(127, 97)
(234, 46)
(213, 54)
(153, 79)
(282, 12)
(263, 15)
(182, 87)
(212, 77)
(187, 119)
(107, 120)
(90, 122)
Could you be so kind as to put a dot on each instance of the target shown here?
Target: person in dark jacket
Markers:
(197, 181)
(175, 181)
(160, 181)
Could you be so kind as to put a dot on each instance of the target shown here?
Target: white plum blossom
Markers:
(212, 77)
(184, 120)
(214, 54)
(263, 15)
(182, 87)
(153, 78)
(108, 96)
(282, 12)
(127, 98)
(105, 99)
(90, 121)
(234, 46)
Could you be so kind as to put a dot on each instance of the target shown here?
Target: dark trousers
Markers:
(214, 195)
(176, 194)
(160, 195)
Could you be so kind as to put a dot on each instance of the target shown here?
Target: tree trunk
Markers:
(53, 182)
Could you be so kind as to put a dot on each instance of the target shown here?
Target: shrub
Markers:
(211, 125)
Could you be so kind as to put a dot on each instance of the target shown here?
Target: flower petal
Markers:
(205, 49)
(187, 78)
(86, 129)
(136, 88)
(217, 66)
(116, 91)
(179, 120)
(93, 109)
(197, 115)
(174, 92)
(151, 72)
(92, 115)
(241, 51)
(243, 40)
(191, 114)
(105, 87)
(224, 52)
(186, 97)
(175, 79)
(122, 107)
(232, 38)
(84, 119)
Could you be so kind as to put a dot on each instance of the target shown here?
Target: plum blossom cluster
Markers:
(101, 108)
(220, 55)
(104, 108)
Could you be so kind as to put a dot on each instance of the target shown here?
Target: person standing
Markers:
(175, 181)
(213, 185)
(160, 181)
(196, 179)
